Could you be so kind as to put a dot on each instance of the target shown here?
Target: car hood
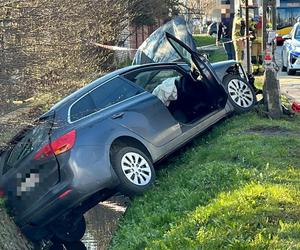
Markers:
(156, 48)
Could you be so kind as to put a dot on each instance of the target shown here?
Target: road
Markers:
(290, 85)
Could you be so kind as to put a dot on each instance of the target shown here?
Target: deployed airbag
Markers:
(166, 91)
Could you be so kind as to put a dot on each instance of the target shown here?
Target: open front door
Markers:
(201, 70)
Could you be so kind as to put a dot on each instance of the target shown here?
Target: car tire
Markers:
(290, 72)
(70, 230)
(283, 68)
(240, 94)
(134, 170)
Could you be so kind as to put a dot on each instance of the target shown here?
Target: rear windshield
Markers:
(29, 140)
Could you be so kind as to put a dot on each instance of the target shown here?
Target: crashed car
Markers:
(291, 51)
(106, 137)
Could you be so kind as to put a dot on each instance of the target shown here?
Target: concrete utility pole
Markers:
(271, 88)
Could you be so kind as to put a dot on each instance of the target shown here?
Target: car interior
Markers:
(193, 100)
(196, 97)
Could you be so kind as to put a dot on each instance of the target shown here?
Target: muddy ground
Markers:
(10, 235)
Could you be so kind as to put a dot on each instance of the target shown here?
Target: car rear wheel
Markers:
(291, 72)
(240, 94)
(69, 230)
(134, 170)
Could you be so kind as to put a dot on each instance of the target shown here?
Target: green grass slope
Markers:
(235, 187)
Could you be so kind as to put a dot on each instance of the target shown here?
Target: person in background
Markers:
(238, 36)
(224, 37)
(256, 48)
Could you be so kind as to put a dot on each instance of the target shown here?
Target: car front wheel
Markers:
(134, 170)
(240, 94)
(289, 70)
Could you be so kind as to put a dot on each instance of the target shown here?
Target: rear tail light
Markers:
(58, 146)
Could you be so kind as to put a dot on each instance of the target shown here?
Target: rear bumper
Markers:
(83, 182)
(34, 223)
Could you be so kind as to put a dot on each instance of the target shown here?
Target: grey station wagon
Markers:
(105, 138)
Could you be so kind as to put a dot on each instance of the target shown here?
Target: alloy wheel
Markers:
(136, 168)
(240, 93)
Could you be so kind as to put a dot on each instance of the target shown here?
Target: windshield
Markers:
(297, 33)
(287, 17)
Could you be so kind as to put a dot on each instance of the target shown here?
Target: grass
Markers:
(259, 81)
(204, 40)
(216, 55)
(235, 187)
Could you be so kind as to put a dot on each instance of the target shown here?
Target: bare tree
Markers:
(45, 41)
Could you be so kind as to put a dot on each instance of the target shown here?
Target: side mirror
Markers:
(287, 37)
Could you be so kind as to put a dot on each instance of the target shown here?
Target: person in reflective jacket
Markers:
(238, 37)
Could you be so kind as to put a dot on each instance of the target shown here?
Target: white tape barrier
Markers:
(111, 47)
(117, 48)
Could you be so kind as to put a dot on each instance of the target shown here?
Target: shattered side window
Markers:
(157, 49)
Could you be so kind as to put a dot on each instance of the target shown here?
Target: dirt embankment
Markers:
(11, 237)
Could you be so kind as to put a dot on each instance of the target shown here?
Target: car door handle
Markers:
(118, 115)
